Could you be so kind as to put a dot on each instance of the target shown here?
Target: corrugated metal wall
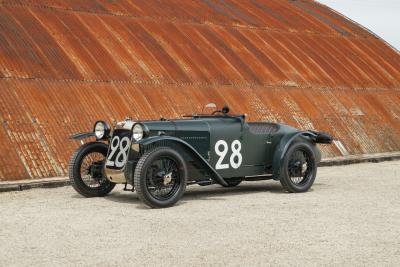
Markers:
(64, 64)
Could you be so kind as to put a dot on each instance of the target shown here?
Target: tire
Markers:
(157, 170)
(101, 186)
(294, 178)
(232, 182)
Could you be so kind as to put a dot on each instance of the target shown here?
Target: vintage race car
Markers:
(159, 158)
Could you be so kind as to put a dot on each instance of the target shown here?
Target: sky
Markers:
(380, 16)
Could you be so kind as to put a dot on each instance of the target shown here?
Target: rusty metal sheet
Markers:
(65, 64)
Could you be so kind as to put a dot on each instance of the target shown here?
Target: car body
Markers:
(217, 148)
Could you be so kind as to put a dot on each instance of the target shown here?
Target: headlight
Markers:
(101, 130)
(137, 132)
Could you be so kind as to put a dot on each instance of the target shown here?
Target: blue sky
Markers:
(380, 16)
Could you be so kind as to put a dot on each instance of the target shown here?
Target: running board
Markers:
(258, 177)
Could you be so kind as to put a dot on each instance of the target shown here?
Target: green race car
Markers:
(159, 158)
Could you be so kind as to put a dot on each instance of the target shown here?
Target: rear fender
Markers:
(156, 140)
(284, 145)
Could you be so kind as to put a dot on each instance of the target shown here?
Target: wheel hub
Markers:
(162, 178)
(95, 170)
(167, 178)
(299, 168)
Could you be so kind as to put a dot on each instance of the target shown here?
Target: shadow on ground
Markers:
(195, 192)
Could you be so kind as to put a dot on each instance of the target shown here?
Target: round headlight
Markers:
(137, 132)
(101, 130)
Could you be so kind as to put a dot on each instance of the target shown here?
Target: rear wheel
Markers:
(86, 170)
(160, 177)
(299, 168)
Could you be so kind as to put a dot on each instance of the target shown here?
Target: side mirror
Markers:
(225, 110)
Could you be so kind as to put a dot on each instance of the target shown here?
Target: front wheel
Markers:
(86, 170)
(299, 168)
(160, 177)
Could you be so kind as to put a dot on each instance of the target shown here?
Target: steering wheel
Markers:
(224, 110)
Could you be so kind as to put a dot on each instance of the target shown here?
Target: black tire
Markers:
(232, 182)
(151, 176)
(299, 168)
(94, 187)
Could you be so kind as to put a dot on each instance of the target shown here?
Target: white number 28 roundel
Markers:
(121, 146)
(221, 149)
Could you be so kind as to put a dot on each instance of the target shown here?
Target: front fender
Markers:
(189, 149)
(284, 145)
(79, 136)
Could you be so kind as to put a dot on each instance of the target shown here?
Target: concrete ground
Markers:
(350, 217)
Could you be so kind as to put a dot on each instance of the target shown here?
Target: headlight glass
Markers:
(137, 132)
(100, 130)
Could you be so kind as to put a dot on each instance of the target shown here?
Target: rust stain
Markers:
(65, 64)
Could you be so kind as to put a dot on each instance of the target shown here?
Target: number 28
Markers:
(235, 158)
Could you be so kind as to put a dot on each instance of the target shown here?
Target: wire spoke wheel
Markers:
(86, 170)
(91, 169)
(162, 178)
(300, 168)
